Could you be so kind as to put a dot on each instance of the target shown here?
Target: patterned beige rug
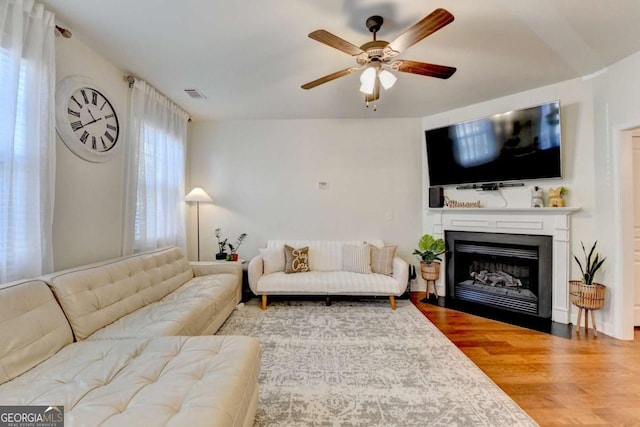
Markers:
(362, 364)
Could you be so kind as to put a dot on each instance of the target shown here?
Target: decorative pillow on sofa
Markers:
(272, 260)
(356, 259)
(382, 259)
(296, 260)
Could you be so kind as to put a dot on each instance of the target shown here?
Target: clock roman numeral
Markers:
(94, 98)
(84, 137)
(103, 144)
(76, 125)
(108, 135)
(108, 116)
(84, 95)
(111, 127)
(73, 113)
(73, 98)
(105, 103)
(93, 142)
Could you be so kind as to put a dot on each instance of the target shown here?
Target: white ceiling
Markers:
(249, 57)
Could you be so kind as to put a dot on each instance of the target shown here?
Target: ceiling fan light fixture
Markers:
(387, 79)
(368, 80)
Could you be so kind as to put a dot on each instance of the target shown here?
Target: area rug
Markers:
(362, 364)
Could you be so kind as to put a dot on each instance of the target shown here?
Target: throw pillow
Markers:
(382, 259)
(356, 259)
(272, 260)
(296, 260)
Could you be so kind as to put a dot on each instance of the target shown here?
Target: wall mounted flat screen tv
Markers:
(517, 145)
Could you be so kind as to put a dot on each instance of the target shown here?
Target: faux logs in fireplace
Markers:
(507, 274)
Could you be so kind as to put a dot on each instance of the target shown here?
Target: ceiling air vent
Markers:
(195, 94)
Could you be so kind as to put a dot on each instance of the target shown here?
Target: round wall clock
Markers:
(85, 119)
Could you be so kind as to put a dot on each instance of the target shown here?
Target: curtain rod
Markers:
(131, 80)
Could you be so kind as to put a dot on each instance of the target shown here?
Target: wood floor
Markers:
(584, 380)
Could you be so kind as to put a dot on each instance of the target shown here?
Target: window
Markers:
(27, 142)
(154, 205)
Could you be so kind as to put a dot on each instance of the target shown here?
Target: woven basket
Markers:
(590, 297)
(430, 271)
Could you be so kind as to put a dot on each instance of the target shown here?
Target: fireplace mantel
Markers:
(553, 222)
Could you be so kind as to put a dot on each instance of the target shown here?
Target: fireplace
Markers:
(507, 275)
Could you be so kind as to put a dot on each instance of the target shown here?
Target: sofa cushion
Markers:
(186, 311)
(329, 283)
(356, 258)
(296, 259)
(382, 259)
(273, 259)
(94, 297)
(32, 327)
(324, 255)
(179, 381)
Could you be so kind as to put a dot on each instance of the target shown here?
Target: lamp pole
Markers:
(198, 195)
(198, 227)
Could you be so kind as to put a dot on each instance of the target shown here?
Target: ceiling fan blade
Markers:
(335, 42)
(428, 25)
(422, 68)
(329, 77)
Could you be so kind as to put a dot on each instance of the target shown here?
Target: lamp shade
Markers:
(197, 194)
(387, 79)
(368, 79)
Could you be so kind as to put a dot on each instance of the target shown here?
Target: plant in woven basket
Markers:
(429, 249)
(590, 264)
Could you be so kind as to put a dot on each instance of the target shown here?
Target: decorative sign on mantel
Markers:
(457, 204)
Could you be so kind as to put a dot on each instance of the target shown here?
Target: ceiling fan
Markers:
(376, 56)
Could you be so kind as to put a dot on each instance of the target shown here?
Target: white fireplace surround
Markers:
(554, 222)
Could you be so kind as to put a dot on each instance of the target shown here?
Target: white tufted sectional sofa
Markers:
(128, 366)
(327, 276)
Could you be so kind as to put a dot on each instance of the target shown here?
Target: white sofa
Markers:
(327, 276)
(157, 293)
(126, 368)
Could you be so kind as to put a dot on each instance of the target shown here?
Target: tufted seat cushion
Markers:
(186, 311)
(173, 381)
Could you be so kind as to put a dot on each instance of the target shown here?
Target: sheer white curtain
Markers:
(27, 139)
(154, 172)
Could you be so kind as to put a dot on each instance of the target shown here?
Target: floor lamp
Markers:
(198, 195)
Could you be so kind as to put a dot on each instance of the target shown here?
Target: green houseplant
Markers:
(429, 251)
(233, 256)
(222, 244)
(590, 265)
(585, 293)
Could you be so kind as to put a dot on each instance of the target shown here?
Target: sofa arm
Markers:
(203, 268)
(255, 272)
(401, 272)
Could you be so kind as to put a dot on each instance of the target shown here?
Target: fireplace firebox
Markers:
(504, 274)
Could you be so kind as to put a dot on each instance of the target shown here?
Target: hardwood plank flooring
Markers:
(584, 380)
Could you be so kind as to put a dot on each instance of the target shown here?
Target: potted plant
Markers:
(585, 293)
(233, 256)
(429, 251)
(222, 244)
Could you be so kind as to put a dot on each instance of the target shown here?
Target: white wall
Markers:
(88, 201)
(263, 177)
(616, 109)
